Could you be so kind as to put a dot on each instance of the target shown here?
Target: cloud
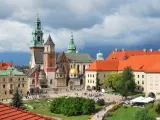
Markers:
(94, 22)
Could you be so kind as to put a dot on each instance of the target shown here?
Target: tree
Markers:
(113, 80)
(143, 115)
(127, 84)
(98, 85)
(17, 100)
(123, 83)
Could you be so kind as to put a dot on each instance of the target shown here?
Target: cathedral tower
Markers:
(49, 61)
(36, 44)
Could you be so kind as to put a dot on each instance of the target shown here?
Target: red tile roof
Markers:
(5, 65)
(145, 63)
(12, 113)
(125, 54)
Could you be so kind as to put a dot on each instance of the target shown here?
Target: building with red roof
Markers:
(146, 68)
(12, 113)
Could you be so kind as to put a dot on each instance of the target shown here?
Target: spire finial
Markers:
(72, 35)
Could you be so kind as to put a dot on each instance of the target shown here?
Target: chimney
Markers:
(116, 49)
(144, 50)
(151, 50)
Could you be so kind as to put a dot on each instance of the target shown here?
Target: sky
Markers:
(95, 23)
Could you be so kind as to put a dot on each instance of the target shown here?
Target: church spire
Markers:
(71, 46)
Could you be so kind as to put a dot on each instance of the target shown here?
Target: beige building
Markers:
(10, 79)
(146, 69)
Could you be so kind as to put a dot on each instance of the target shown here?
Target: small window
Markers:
(18, 85)
(138, 82)
(88, 81)
(10, 79)
(5, 93)
(3, 79)
(50, 64)
(4, 86)
(142, 82)
(142, 89)
(71, 66)
(93, 75)
(138, 76)
(93, 81)
(11, 85)
(22, 85)
(19, 79)
(88, 75)
(142, 76)
(74, 75)
(60, 75)
(104, 75)
(51, 81)
(23, 79)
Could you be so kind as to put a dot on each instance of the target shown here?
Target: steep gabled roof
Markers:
(49, 41)
(11, 113)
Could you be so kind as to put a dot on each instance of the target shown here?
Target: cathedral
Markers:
(50, 69)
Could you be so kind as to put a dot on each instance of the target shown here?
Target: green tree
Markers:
(17, 100)
(113, 80)
(98, 85)
(127, 84)
(143, 115)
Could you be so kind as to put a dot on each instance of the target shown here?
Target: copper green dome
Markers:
(100, 56)
(71, 46)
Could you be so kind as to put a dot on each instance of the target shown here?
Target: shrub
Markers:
(125, 107)
(72, 106)
(115, 107)
(109, 114)
(101, 102)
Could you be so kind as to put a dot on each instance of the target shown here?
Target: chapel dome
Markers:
(73, 71)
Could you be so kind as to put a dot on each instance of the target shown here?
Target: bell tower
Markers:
(49, 61)
(36, 44)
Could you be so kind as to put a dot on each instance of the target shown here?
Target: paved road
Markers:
(100, 114)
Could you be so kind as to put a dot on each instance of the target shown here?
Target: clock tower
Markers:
(36, 44)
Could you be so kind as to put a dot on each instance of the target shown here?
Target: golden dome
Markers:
(73, 71)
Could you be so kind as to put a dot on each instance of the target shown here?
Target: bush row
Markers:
(72, 106)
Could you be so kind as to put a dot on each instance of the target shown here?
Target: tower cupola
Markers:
(71, 46)
(100, 56)
(37, 34)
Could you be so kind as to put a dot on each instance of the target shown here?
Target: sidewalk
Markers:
(100, 114)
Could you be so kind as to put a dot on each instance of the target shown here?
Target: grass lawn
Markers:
(42, 107)
(123, 114)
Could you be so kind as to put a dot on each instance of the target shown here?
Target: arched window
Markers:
(39, 38)
(51, 81)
